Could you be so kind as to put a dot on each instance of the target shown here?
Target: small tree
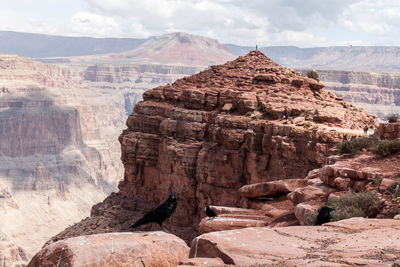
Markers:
(313, 75)
(392, 118)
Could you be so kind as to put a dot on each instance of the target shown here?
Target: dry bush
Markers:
(356, 145)
(350, 205)
(387, 147)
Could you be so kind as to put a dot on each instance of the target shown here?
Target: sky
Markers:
(302, 23)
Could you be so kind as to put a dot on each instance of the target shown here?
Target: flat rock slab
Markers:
(228, 223)
(202, 262)
(271, 189)
(351, 242)
(234, 210)
(114, 249)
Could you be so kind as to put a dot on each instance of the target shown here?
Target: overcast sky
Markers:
(304, 23)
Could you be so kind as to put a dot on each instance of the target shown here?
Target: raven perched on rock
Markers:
(159, 214)
(210, 213)
(324, 215)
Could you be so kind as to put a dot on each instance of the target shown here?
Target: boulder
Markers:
(389, 131)
(114, 249)
(301, 210)
(385, 184)
(273, 188)
(310, 192)
(342, 183)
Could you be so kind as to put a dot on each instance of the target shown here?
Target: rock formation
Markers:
(114, 249)
(351, 242)
(205, 136)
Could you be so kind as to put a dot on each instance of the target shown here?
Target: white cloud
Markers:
(234, 21)
(12, 20)
(372, 17)
(89, 24)
(264, 22)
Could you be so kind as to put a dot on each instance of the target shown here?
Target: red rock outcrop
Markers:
(205, 136)
(351, 242)
(114, 249)
(389, 131)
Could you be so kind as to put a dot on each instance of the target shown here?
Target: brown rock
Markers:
(298, 120)
(389, 131)
(315, 181)
(316, 173)
(385, 183)
(302, 209)
(344, 243)
(114, 249)
(265, 78)
(202, 262)
(342, 183)
(310, 192)
(348, 173)
(227, 223)
(234, 211)
(273, 188)
(359, 186)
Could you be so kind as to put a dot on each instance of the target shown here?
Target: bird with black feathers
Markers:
(210, 213)
(159, 214)
(324, 215)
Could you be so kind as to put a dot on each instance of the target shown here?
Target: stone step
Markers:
(227, 223)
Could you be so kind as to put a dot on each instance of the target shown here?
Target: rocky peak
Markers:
(257, 86)
(205, 136)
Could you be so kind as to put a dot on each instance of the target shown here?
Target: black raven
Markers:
(210, 213)
(324, 215)
(159, 214)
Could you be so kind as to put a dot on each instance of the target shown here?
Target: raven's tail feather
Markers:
(138, 223)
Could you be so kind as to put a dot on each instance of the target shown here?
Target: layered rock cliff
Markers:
(131, 81)
(50, 174)
(379, 93)
(59, 151)
(205, 136)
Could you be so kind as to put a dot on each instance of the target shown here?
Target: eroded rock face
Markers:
(344, 243)
(59, 150)
(114, 249)
(376, 92)
(205, 136)
(389, 131)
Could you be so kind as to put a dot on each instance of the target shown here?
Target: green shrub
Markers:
(309, 219)
(387, 147)
(304, 114)
(392, 118)
(249, 113)
(355, 146)
(394, 189)
(313, 75)
(349, 205)
(307, 124)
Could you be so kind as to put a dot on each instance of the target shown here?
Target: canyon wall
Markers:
(379, 93)
(59, 150)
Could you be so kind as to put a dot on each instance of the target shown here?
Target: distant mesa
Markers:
(181, 49)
